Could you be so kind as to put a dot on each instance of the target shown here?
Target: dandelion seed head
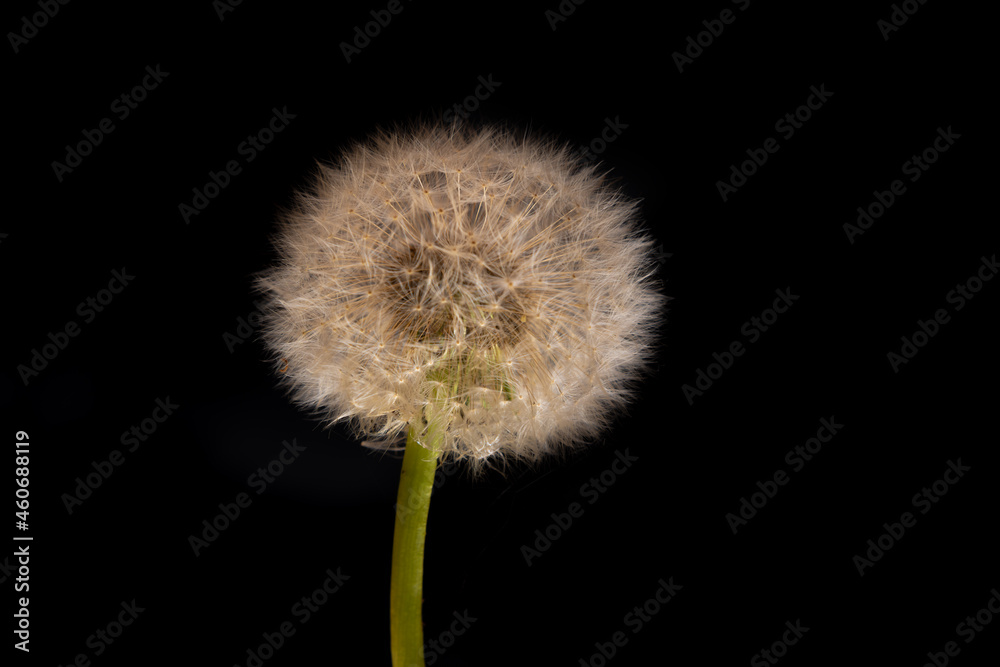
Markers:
(493, 278)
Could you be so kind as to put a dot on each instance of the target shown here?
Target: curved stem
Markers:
(412, 504)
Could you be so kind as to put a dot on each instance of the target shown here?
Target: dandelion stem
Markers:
(412, 504)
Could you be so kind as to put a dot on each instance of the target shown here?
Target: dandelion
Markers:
(487, 295)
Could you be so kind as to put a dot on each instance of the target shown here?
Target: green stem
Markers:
(412, 504)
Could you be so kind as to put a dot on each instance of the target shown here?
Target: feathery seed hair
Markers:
(494, 280)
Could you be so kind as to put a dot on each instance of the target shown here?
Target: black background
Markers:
(721, 262)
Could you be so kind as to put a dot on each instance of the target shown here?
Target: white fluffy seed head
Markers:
(491, 278)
